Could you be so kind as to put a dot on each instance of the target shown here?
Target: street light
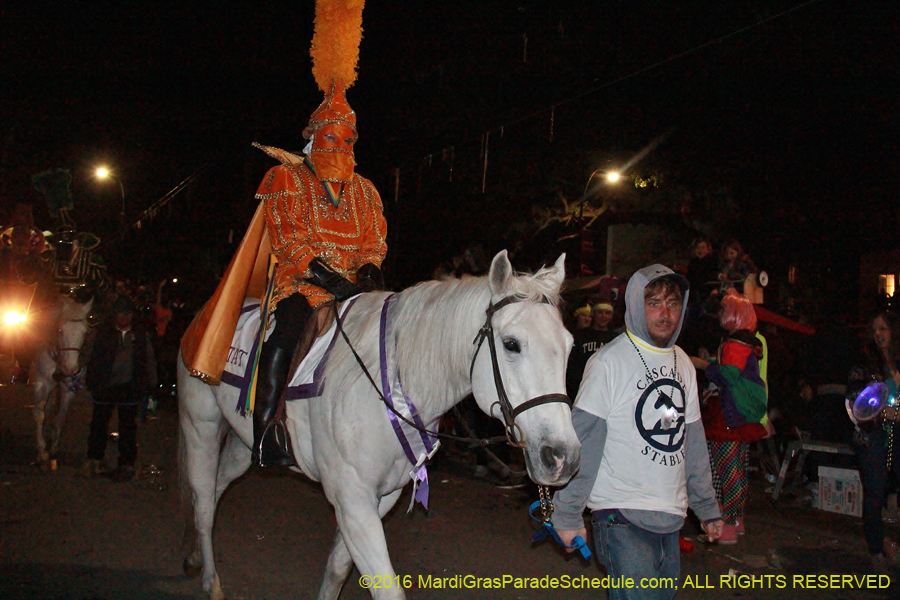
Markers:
(104, 173)
(611, 177)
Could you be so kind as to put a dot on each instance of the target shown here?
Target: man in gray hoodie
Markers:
(644, 459)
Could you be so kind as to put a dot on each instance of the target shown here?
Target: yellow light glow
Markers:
(13, 318)
(886, 284)
(612, 176)
(102, 172)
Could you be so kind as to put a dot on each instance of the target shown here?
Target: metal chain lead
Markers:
(546, 503)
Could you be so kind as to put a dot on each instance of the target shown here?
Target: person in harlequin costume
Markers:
(327, 231)
(321, 221)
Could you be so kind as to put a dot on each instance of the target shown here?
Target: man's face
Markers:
(663, 315)
(702, 250)
(583, 320)
(123, 320)
(602, 318)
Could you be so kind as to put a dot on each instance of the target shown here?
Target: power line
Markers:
(656, 65)
(154, 208)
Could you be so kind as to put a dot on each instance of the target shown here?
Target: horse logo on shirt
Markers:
(659, 415)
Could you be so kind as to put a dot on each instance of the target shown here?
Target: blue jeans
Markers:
(873, 472)
(626, 550)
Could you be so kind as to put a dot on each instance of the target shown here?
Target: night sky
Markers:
(792, 117)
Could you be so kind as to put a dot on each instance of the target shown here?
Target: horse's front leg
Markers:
(356, 507)
(340, 562)
(66, 393)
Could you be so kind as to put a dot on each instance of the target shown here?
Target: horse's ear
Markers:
(558, 271)
(501, 271)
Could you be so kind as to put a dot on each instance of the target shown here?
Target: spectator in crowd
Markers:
(734, 267)
(702, 274)
(877, 451)
(587, 341)
(474, 262)
(583, 317)
(827, 357)
(734, 409)
(121, 372)
(637, 410)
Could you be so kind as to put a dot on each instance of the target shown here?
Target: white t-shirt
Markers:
(643, 459)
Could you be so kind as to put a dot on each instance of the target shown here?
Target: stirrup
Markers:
(277, 452)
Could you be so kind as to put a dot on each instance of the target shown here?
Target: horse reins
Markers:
(509, 413)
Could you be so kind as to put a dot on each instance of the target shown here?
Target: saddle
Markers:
(317, 325)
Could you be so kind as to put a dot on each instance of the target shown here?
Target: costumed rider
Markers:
(327, 231)
(321, 221)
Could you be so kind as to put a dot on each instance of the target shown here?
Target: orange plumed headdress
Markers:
(335, 53)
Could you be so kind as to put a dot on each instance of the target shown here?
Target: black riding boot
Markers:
(270, 442)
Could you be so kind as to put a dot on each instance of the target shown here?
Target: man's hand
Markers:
(713, 529)
(699, 363)
(369, 278)
(567, 535)
(322, 275)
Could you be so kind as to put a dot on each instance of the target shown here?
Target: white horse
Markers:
(56, 365)
(344, 437)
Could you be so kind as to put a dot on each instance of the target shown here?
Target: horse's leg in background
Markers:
(234, 462)
(66, 393)
(340, 562)
(202, 429)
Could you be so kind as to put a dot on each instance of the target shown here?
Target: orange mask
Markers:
(332, 153)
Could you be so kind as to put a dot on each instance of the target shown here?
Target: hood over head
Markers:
(635, 317)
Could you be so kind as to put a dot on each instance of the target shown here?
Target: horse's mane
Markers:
(435, 323)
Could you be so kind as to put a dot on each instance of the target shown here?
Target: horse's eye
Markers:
(511, 345)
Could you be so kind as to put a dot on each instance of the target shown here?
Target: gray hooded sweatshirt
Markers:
(569, 502)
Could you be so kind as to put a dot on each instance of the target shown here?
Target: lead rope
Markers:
(546, 529)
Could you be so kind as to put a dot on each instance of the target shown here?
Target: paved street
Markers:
(65, 537)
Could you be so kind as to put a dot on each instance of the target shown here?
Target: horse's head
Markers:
(528, 366)
(72, 327)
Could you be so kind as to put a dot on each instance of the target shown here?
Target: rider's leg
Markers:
(269, 446)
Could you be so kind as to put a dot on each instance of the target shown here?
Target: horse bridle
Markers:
(509, 413)
(59, 332)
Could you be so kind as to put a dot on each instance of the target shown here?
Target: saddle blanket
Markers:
(305, 382)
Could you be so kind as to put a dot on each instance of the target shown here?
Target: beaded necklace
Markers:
(671, 414)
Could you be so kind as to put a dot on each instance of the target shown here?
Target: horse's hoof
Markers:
(191, 568)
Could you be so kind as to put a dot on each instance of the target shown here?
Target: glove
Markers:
(369, 278)
(325, 277)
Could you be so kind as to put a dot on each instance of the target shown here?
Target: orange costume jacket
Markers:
(296, 222)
